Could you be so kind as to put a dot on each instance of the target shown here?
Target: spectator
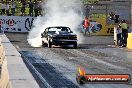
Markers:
(119, 32)
(31, 7)
(112, 17)
(39, 8)
(13, 8)
(124, 28)
(117, 18)
(7, 8)
(23, 7)
(36, 8)
(86, 25)
(3, 8)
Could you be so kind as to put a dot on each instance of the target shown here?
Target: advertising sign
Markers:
(98, 26)
(16, 23)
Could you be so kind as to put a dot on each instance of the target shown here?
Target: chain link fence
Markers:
(119, 10)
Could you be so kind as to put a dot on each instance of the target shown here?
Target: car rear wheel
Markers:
(49, 44)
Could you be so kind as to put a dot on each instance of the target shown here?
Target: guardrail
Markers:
(14, 73)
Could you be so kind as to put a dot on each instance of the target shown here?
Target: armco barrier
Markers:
(14, 73)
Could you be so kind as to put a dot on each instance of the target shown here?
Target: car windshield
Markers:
(58, 29)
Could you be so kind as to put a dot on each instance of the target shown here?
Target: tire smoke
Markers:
(57, 13)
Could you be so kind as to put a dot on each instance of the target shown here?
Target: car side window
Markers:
(65, 29)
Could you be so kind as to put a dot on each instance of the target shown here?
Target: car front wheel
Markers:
(75, 45)
(42, 43)
(50, 44)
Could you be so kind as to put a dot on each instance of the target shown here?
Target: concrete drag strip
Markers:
(60, 55)
(66, 61)
(100, 61)
(36, 72)
(47, 73)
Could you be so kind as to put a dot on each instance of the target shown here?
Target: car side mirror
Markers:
(71, 32)
(42, 35)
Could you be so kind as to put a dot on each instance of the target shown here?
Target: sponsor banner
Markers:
(82, 77)
(104, 78)
(98, 26)
(94, 27)
(16, 23)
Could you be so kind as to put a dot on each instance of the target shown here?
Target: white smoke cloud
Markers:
(56, 13)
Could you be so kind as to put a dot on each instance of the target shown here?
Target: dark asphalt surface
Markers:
(58, 66)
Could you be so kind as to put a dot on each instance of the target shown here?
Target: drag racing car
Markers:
(58, 36)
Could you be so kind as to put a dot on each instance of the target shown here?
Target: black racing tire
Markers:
(49, 44)
(42, 43)
(75, 45)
